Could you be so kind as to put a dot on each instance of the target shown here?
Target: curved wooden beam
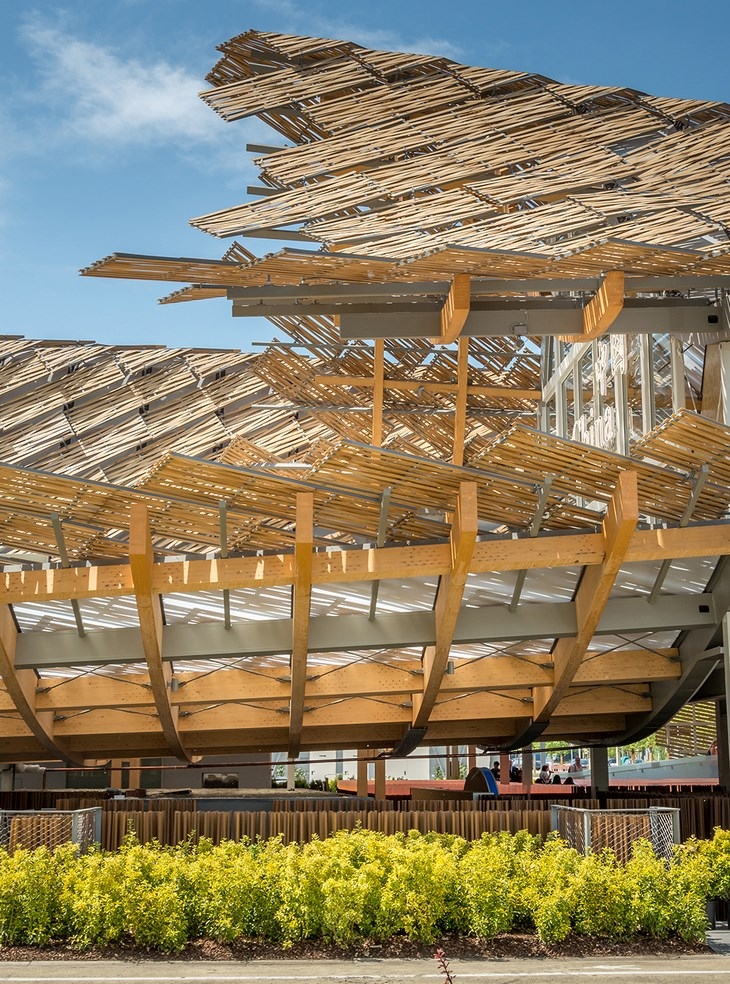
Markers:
(455, 310)
(603, 309)
(593, 593)
(448, 601)
(149, 609)
(21, 687)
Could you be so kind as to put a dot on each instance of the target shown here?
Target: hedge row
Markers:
(356, 885)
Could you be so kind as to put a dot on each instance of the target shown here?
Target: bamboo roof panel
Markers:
(193, 292)
(505, 497)
(397, 159)
(309, 329)
(265, 496)
(686, 441)
(167, 268)
(91, 512)
(545, 250)
(107, 413)
(591, 473)
(242, 97)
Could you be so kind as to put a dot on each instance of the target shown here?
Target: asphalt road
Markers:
(650, 970)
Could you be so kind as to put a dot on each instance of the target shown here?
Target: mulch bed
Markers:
(511, 946)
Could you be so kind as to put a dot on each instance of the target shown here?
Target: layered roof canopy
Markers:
(338, 543)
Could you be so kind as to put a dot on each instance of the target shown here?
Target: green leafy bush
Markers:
(486, 874)
(420, 894)
(232, 890)
(603, 897)
(356, 885)
(29, 891)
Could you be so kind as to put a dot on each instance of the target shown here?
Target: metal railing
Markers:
(593, 830)
(30, 829)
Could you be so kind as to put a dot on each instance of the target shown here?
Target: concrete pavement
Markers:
(648, 970)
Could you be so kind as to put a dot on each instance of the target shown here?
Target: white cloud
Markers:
(96, 94)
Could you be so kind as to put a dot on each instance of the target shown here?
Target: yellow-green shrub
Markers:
(420, 893)
(30, 884)
(603, 898)
(355, 885)
(486, 874)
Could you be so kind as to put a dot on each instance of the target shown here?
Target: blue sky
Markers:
(104, 145)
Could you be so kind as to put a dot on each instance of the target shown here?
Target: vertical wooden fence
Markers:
(171, 821)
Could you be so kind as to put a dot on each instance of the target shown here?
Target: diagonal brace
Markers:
(592, 595)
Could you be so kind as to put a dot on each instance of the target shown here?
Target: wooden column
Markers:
(135, 773)
(303, 543)
(599, 771)
(462, 389)
(452, 762)
(378, 392)
(472, 758)
(527, 769)
(115, 774)
(379, 778)
(505, 763)
(362, 772)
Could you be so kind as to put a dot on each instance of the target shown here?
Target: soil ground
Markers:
(513, 946)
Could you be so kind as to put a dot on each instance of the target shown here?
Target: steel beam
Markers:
(510, 318)
(334, 633)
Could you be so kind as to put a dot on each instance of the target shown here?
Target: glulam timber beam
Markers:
(20, 686)
(352, 565)
(364, 679)
(462, 380)
(603, 308)
(149, 610)
(378, 392)
(415, 385)
(626, 699)
(232, 735)
(448, 601)
(592, 594)
(302, 593)
(339, 715)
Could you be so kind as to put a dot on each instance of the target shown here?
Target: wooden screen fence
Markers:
(171, 821)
